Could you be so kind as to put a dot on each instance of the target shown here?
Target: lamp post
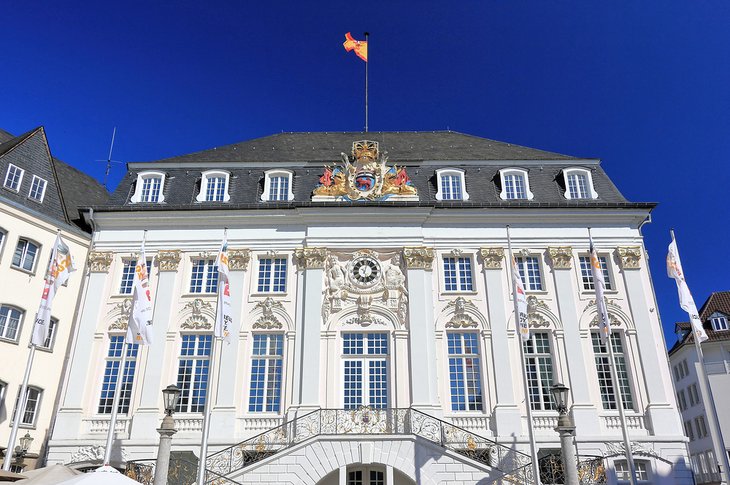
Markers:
(22, 449)
(170, 396)
(566, 430)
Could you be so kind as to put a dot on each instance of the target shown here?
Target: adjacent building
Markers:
(373, 338)
(39, 196)
(693, 397)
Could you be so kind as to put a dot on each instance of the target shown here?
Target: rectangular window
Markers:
(365, 370)
(681, 400)
(685, 370)
(32, 404)
(151, 189)
(111, 376)
(719, 323)
(578, 186)
(688, 430)
(608, 394)
(192, 372)
(125, 287)
(272, 275)
(514, 186)
(13, 177)
(530, 272)
(25, 255)
(587, 275)
(266, 366)
(37, 189)
(279, 189)
(701, 427)
(51, 338)
(204, 276)
(539, 366)
(694, 396)
(624, 474)
(215, 189)
(465, 371)
(676, 373)
(457, 274)
(10, 319)
(451, 187)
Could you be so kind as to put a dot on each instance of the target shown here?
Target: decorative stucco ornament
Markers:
(364, 316)
(100, 261)
(612, 308)
(630, 257)
(310, 258)
(168, 260)
(492, 257)
(238, 259)
(561, 256)
(461, 318)
(268, 320)
(120, 314)
(365, 175)
(396, 295)
(93, 453)
(534, 308)
(201, 315)
(418, 258)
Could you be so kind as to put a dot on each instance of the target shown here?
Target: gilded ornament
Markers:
(492, 257)
(100, 261)
(561, 256)
(238, 259)
(168, 260)
(630, 257)
(311, 258)
(418, 258)
(121, 310)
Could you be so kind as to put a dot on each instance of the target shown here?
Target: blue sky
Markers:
(642, 85)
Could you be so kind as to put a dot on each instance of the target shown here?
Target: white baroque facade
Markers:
(375, 337)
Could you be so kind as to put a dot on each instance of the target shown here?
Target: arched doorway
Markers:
(372, 474)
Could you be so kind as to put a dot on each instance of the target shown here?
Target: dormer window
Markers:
(214, 187)
(277, 186)
(579, 184)
(515, 184)
(719, 322)
(451, 185)
(149, 188)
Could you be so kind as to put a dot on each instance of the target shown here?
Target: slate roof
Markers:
(421, 153)
(67, 188)
(718, 301)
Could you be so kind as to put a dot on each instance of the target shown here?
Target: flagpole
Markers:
(617, 392)
(206, 415)
(19, 411)
(526, 387)
(367, 34)
(115, 404)
(712, 417)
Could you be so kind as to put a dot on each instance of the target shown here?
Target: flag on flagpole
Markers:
(140, 317)
(59, 269)
(521, 298)
(223, 317)
(599, 284)
(674, 271)
(359, 46)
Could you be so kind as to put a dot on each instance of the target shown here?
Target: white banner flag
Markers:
(518, 290)
(599, 284)
(674, 270)
(59, 269)
(223, 317)
(140, 317)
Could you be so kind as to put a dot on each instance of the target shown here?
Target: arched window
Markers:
(450, 184)
(515, 184)
(579, 184)
(150, 188)
(214, 187)
(277, 186)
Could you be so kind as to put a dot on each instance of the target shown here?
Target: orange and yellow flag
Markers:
(359, 46)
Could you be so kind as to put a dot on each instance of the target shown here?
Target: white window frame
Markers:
(3, 238)
(515, 171)
(51, 338)
(720, 322)
(546, 400)
(20, 324)
(625, 354)
(137, 196)
(521, 260)
(462, 357)
(592, 194)
(271, 360)
(365, 358)
(108, 386)
(131, 262)
(20, 179)
(43, 191)
(460, 270)
(643, 471)
(38, 403)
(453, 172)
(269, 287)
(206, 176)
(607, 272)
(39, 248)
(210, 273)
(269, 174)
(200, 361)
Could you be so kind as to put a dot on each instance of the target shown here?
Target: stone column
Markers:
(146, 419)
(584, 410)
(507, 415)
(68, 422)
(661, 415)
(310, 285)
(223, 414)
(421, 324)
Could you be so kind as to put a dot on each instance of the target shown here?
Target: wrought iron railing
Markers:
(514, 466)
(591, 470)
(180, 472)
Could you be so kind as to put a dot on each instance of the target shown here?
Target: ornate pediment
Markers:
(201, 315)
(268, 319)
(120, 315)
(364, 175)
(612, 309)
(460, 318)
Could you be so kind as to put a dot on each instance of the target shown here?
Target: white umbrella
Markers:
(105, 475)
(49, 475)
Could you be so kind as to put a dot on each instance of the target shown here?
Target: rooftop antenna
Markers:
(109, 160)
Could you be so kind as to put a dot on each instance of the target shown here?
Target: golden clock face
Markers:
(365, 271)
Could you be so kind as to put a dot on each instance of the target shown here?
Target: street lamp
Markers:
(21, 450)
(566, 430)
(170, 396)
